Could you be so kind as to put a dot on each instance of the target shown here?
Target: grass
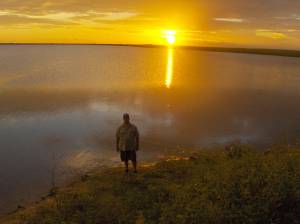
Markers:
(233, 185)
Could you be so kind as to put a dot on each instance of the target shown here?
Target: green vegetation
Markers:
(232, 185)
(261, 51)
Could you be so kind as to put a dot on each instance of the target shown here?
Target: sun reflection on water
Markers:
(169, 70)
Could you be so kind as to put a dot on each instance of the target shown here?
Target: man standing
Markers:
(128, 142)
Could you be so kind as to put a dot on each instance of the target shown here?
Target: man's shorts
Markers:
(128, 155)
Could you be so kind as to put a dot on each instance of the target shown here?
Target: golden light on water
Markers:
(169, 70)
(170, 36)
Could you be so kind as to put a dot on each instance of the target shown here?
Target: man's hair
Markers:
(126, 115)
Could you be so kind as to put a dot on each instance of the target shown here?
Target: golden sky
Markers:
(237, 23)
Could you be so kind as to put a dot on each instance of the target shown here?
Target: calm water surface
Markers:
(60, 106)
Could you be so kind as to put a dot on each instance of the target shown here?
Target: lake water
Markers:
(60, 107)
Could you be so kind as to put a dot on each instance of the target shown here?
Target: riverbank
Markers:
(236, 184)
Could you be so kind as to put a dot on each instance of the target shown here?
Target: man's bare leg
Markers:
(134, 163)
(126, 166)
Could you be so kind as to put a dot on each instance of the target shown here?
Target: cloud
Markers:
(230, 20)
(270, 34)
(290, 17)
(10, 17)
(112, 16)
(59, 16)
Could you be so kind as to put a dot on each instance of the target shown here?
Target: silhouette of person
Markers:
(127, 142)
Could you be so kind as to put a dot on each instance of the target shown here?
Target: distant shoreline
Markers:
(258, 51)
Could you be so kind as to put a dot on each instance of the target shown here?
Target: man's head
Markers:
(126, 118)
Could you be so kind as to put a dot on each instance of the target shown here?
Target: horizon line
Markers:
(242, 50)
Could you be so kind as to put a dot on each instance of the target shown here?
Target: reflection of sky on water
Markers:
(70, 100)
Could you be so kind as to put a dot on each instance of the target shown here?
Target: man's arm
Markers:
(137, 140)
(117, 144)
(117, 140)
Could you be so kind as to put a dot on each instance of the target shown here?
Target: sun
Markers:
(170, 36)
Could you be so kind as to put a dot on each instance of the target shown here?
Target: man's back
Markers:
(127, 135)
